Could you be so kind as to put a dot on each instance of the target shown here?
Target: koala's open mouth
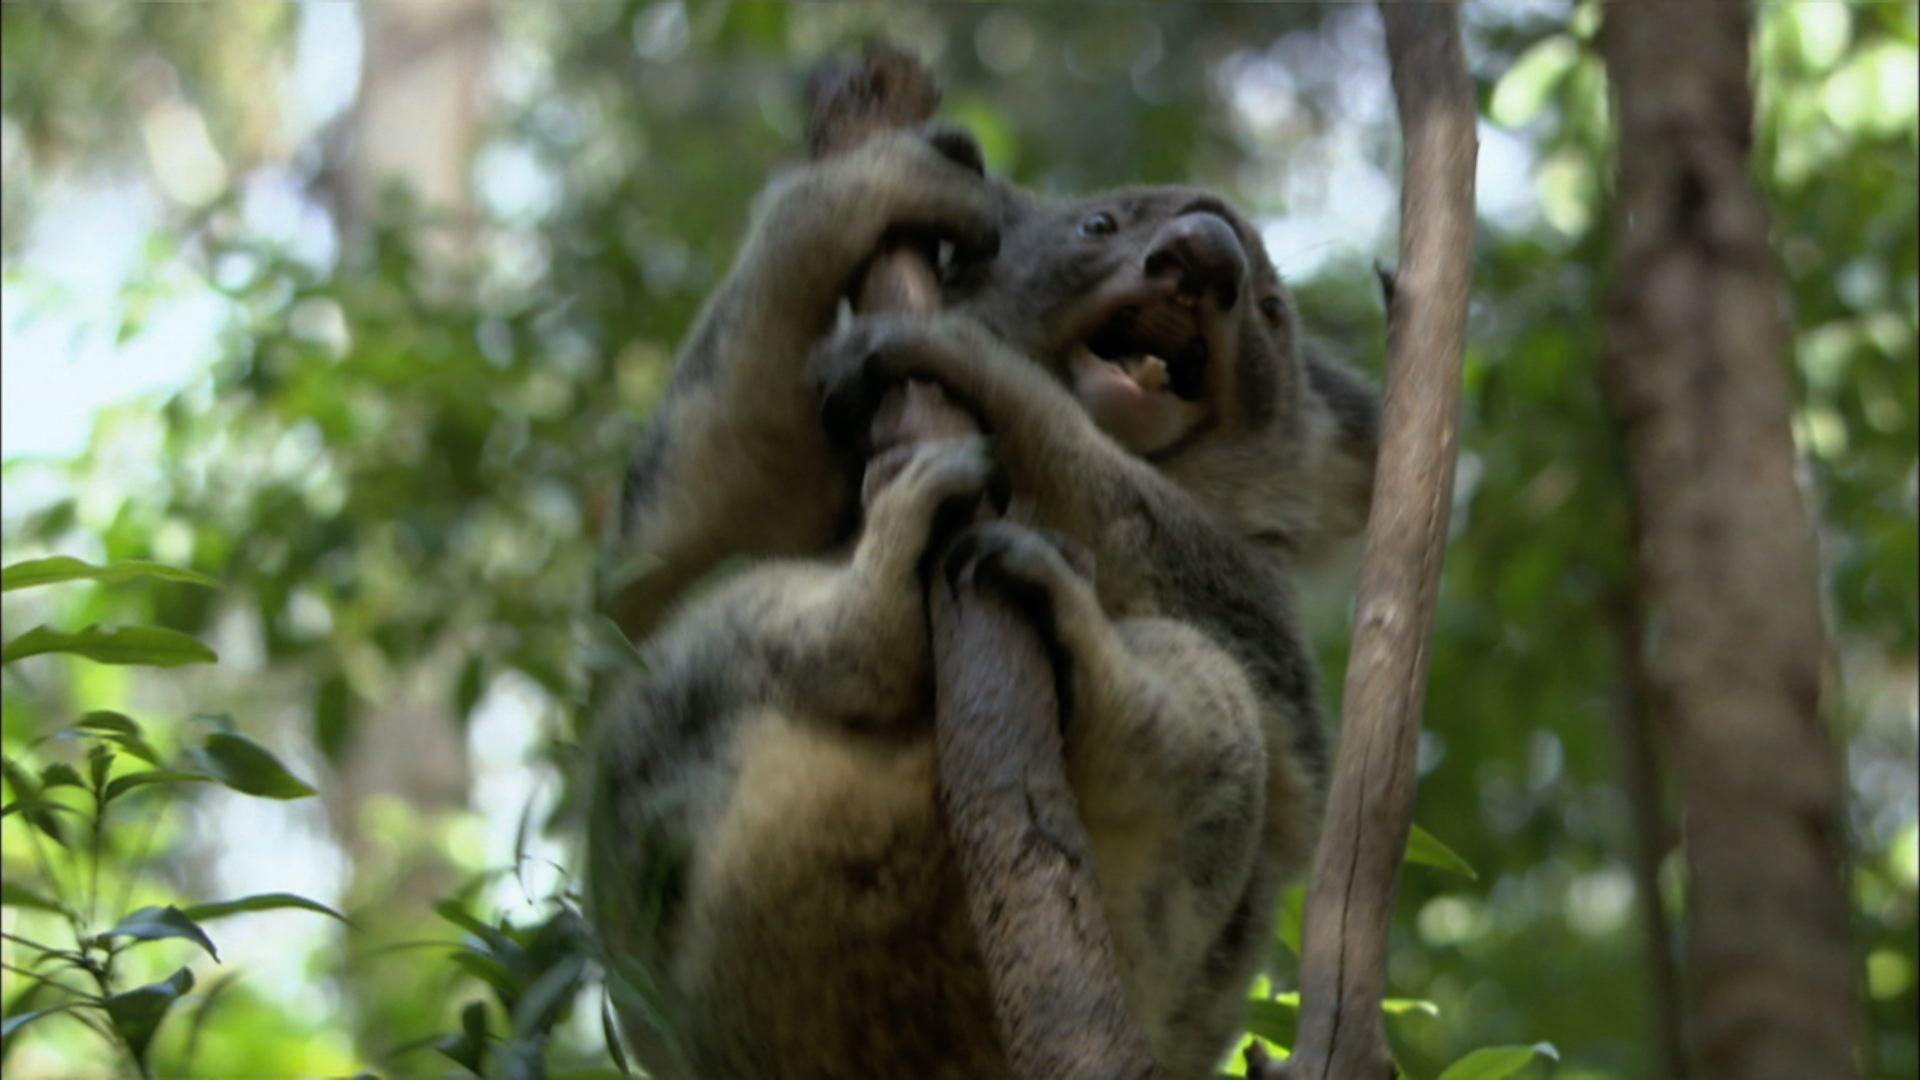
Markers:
(1159, 343)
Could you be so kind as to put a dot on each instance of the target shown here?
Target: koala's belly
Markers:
(824, 932)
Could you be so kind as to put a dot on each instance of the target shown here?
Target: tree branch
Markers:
(1370, 805)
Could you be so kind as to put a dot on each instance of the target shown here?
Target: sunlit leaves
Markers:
(136, 1014)
(19, 1020)
(14, 894)
(1498, 1062)
(153, 646)
(119, 729)
(158, 923)
(246, 766)
(1425, 849)
(1523, 91)
(23, 575)
(260, 902)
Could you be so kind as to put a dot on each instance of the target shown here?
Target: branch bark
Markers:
(1015, 827)
(1370, 804)
(1731, 640)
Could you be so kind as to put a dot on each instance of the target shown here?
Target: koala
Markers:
(734, 461)
(765, 843)
(765, 838)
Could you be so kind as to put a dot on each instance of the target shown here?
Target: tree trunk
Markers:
(1343, 968)
(414, 124)
(1731, 641)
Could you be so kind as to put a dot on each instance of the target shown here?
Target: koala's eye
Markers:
(1271, 307)
(1100, 224)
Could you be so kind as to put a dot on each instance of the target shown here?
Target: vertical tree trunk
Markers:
(1732, 641)
(1343, 969)
(414, 124)
(417, 118)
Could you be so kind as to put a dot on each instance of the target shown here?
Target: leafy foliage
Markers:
(397, 478)
(127, 1018)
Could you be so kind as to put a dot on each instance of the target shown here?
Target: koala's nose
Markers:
(1203, 254)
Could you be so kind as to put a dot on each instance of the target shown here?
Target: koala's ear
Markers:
(958, 145)
(1345, 418)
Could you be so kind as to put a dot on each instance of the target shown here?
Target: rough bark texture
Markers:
(1370, 804)
(1023, 851)
(1732, 640)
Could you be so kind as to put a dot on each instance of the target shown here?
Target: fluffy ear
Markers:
(1343, 423)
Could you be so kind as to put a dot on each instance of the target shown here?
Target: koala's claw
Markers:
(1025, 563)
(852, 370)
(947, 475)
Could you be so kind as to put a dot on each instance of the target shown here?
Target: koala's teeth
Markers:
(1150, 373)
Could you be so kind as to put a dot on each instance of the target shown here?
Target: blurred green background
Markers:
(358, 310)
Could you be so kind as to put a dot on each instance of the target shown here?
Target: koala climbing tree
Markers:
(1034, 906)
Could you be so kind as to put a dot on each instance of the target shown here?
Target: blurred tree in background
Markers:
(400, 411)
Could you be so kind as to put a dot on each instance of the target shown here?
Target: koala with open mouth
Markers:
(765, 846)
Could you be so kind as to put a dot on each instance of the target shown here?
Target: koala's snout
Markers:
(1203, 253)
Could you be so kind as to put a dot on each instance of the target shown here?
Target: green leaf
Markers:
(15, 1023)
(26, 575)
(1408, 1007)
(261, 902)
(122, 730)
(1293, 914)
(469, 1048)
(13, 894)
(247, 767)
(1497, 1062)
(160, 923)
(488, 970)
(152, 646)
(99, 764)
(1424, 849)
(1273, 1021)
(467, 691)
(27, 800)
(546, 1002)
(60, 774)
(610, 1034)
(333, 717)
(120, 785)
(136, 1014)
(605, 647)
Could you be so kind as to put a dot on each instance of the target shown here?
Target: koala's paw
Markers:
(933, 488)
(854, 367)
(934, 183)
(937, 471)
(1028, 565)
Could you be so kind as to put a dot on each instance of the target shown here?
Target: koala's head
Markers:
(1161, 309)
